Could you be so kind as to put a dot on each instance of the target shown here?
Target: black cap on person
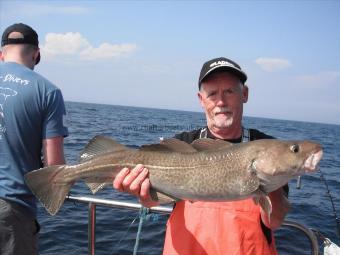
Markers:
(219, 64)
(29, 36)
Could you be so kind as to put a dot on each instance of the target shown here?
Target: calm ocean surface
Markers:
(66, 232)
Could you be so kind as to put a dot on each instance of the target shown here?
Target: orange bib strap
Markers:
(204, 228)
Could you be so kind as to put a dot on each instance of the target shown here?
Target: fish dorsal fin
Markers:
(171, 144)
(100, 145)
(178, 145)
(154, 147)
(206, 144)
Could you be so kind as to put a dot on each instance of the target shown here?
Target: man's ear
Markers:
(200, 98)
(245, 93)
(37, 56)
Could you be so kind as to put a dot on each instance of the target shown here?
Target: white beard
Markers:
(223, 122)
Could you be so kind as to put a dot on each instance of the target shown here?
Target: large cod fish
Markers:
(205, 170)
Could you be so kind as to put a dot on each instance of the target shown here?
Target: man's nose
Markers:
(221, 99)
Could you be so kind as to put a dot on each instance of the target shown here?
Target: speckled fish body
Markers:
(206, 170)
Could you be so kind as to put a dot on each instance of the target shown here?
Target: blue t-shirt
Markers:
(31, 109)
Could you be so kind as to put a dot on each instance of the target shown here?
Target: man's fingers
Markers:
(136, 184)
(134, 173)
(145, 190)
(130, 180)
(118, 181)
(145, 197)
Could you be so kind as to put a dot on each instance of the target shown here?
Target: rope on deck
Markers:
(142, 216)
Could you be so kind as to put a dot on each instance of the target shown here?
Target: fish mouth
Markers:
(311, 164)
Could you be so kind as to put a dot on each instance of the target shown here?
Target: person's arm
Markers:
(135, 182)
(53, 149)
(280, 208)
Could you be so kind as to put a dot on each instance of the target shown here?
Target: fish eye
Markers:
(295, 148)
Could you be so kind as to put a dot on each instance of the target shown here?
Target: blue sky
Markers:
(149, 53)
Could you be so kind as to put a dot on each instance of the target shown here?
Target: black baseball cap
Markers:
(29, 36)
(219, 64)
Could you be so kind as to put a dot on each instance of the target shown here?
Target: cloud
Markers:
(75, 45)
(273, 64)
(106, 50)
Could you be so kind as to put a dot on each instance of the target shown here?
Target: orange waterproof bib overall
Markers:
(209, 228)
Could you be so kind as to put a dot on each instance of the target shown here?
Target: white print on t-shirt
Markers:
(7, 92)
(4, 93)
(12, 78)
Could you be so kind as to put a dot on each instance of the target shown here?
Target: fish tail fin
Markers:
(44, 185)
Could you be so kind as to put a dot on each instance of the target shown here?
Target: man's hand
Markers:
(135, 182)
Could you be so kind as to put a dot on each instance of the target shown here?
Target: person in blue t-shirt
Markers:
(31, 135)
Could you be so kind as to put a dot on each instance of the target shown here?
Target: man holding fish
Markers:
(228, 191)
(236, 227)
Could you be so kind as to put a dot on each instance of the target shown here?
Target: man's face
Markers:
(222, 97)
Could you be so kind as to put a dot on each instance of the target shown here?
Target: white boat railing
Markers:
(93, 202)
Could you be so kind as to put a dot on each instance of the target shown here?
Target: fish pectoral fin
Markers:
(172, 144)
(206, 144)
(264, 202)
(162, 198)
(96, 184)
(99, 145)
